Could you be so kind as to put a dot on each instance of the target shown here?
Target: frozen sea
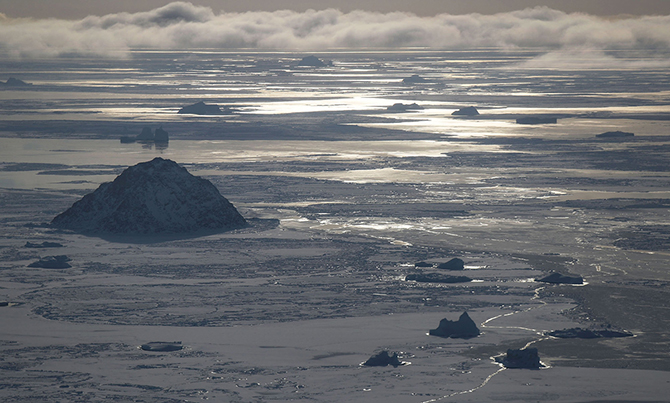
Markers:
(347, 196)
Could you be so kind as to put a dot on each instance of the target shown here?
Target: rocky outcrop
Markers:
(383, 359)
(161, 136)
(436, 278)
(414, 79)
(558, 278)
(15, 82)
(423, 264)
(453, 264)
(201, 108)
(162, 346)
(154, 197)
(44, 244)
(400, 107)
(312, 61)
(467, 111)
(579, 333)
(463, 328)
(146, 135)
(524, 358)
(52, 262)
(615, 134)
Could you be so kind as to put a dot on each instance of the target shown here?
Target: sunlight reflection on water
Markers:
(102, 155)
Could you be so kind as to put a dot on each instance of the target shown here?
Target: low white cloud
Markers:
(590, 58)
(173, 13)
(182, 25)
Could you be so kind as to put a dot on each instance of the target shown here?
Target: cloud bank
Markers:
(182, 25)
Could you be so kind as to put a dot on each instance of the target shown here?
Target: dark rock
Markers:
(146, 135)
(453, 264)
(4, 303)
(162, 346)
(155, 197)
(127, 139)
(400, 107)
(579, 333)
(383, 359)
(613, 333)
(423, 264)
(574, 333)
(558, 278)
(44, 244)
(414, 79)
(312, 61)
(52, 262)
(436, 278)
(463, 328)
(524, 358)
(468, 111)
(536, 120)
(15, 82)
(201, 108)
(161, 136)
(615, 134)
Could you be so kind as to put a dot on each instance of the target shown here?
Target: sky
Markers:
(76, 9)
(190, 25)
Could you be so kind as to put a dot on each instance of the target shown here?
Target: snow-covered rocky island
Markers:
(154, 197)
